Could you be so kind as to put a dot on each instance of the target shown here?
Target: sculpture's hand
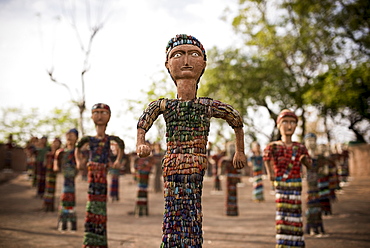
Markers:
(239, 160)
(143, 151)
(116, 165)
(272, 177)
(81, 163)
(305, 161)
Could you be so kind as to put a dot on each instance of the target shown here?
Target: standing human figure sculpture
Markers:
(256, 163)
(97, 165)
(66, 163)
(327, 183)
(157, 155)
(343, 164)
(114, 173)
(143, 168)
(334, 180)
(233, 177)
(216, 169)
(30, 151)
(41, 150)
(283, 161)
(187, 126)
(51, 177)
(314, 225)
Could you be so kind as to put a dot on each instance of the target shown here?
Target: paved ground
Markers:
(22, 224)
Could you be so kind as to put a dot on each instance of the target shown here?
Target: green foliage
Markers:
(352, 21)
(24, 124)
(286, 47)
(242, 81)
(343, 87)
(344, 91)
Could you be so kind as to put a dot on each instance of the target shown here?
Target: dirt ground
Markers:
(23, 224)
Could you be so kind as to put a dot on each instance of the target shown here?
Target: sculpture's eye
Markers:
(177, 55)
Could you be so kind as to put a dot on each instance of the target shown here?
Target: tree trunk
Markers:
(359, 136)
(303, 123)
(82, 108)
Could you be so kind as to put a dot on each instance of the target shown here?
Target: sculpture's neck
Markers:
(100, 131)
(186, 89)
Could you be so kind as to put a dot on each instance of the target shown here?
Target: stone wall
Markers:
(18, 158)
(359, 160)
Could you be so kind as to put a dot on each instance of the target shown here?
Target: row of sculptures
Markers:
(184, 162)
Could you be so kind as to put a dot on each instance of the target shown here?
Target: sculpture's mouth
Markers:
(186, 68)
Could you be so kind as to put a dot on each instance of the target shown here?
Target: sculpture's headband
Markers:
(184, 39)
(73, 130)
(286, 113)
(100, 106)
(310, 135)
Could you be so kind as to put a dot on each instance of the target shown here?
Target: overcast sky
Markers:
(36, 36)
(126, 52)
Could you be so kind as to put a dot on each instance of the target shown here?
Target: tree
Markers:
(352, 23)
(94, 27)
(342, 92)
(25, 124)
(241, 80)
(285, 46)
(345, 92)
